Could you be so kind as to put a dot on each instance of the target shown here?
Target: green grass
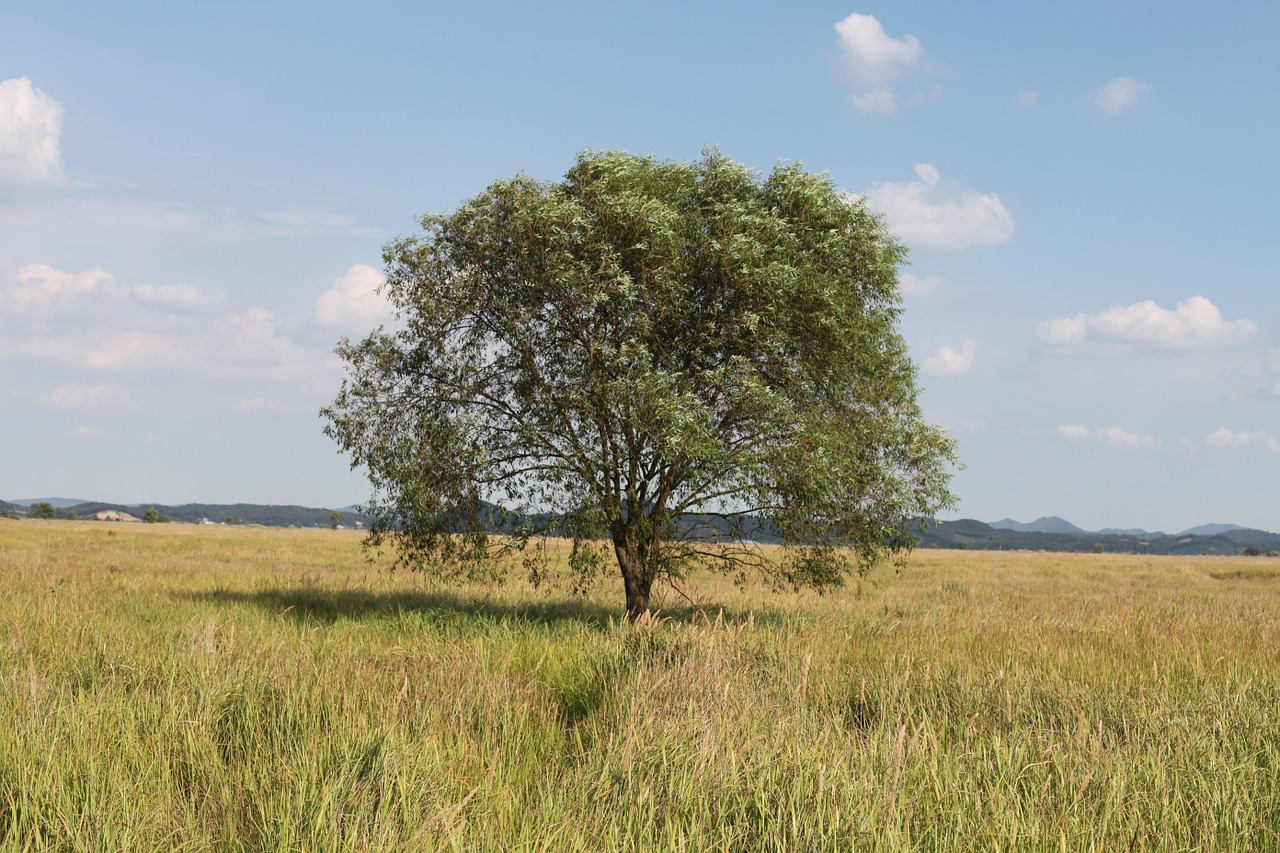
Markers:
(173, 687)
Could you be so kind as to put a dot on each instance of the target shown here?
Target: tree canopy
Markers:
(664, 360)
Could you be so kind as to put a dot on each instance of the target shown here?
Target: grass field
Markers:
(172, 687)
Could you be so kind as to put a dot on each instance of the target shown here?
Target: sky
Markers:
(194, 196)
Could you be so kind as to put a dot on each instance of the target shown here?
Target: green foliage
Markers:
(44, 509)
(642, 343)
(154, 516)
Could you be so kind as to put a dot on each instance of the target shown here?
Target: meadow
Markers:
(173, 687)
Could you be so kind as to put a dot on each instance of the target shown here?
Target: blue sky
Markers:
(193, 199)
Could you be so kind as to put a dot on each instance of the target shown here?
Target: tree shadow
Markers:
(444, 609)
(314, 604)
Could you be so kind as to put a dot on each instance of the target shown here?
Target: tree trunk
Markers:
(637, 595)
(636, 579)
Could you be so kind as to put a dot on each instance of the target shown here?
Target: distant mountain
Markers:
(1211, 529)
(968, 533)
(1050, 533)
(1129, 531)
(264, 514)
(1054, 524)
(1047, 524)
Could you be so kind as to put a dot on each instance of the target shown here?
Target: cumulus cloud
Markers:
(40, 285)
(1111, 436)
(354, 300)
(1224, 437)
(92, 321)
(877, 65)
(30, 135)
(928, 215)
(1194, 323)
(1118, 95)
(949, 362)
(39, 288)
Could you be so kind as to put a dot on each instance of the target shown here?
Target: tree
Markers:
(646, 351)
(44, 509)
(335, 518)
(153, 516)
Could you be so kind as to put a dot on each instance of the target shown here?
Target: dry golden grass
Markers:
(176, 687)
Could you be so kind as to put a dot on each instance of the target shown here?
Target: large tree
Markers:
(665, 360)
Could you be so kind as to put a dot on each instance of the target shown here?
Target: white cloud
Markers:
(949, 362)
(355, 300)
(1224, 437)
(124, 350)
(1196, 322)
(91, 321)
(1114, 437)
(251, 344)
(927, 215)
(39, 289)
(879, 100)
(1028, 100)
(873, 56)
(919, 286)
(175, 296)
(1118, 95)
(40, 285)
(1122, 440)
(875, 62)
(75, 396)
(30, 135)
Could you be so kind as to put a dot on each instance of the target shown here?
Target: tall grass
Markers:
(180, 688)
